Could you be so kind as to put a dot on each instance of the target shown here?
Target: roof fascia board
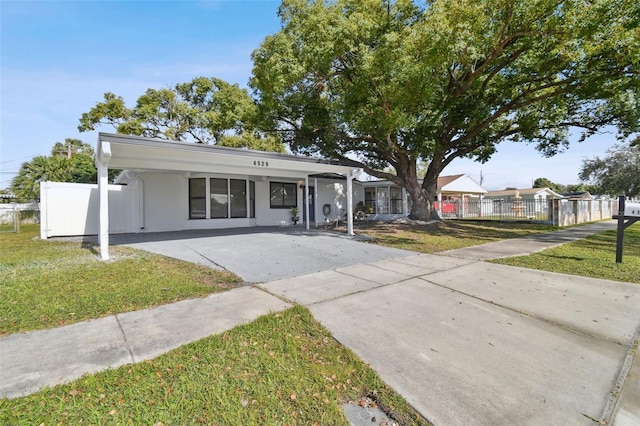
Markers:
(278, 160)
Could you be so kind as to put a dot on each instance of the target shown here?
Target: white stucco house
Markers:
(387, 201)
(175, 186)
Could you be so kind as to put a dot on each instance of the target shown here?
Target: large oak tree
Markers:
(392, 83)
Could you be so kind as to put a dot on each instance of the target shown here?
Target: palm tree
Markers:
(26, 185)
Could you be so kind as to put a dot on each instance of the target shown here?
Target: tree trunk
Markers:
(422, 207)
(422, 196)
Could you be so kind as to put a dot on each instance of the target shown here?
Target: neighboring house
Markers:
(579, 196)
(385, 200)
(526, 202)
(455, 193)
(524, 193)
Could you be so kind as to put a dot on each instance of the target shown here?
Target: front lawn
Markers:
(46, 284)
(283, 368)
(593, 256)
(446, 235)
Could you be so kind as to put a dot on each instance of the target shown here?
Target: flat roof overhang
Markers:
(138, 153)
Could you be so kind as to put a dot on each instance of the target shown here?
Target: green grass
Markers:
(593, 256)
(45, 284)
(283, 368)
(447, 235)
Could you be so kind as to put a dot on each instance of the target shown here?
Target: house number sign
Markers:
(261, 163)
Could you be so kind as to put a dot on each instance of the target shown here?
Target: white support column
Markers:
(306, 201)
(315, 200)
(462, 206)
(352, 175)
(440, 204)
(104, 154)
(350, 204)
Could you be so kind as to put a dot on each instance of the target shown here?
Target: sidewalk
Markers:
(530, 244)
(453, 335)
(31, 361)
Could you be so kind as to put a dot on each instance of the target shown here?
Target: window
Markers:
(370, 199)
(396, 200)
(383, 200)
(197, 199)
(238, 191)
(283, 195)
(219, 198)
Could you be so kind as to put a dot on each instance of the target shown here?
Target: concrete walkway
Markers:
(464, 341)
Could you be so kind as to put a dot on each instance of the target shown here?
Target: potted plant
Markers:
(294, 215)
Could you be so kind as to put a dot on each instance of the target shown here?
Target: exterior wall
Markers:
(166, 204)
(166, 200)
(159, 201)
(334, 193)
(72, 209)
(265, 215)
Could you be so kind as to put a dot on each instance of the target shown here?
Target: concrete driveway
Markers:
(262, 254)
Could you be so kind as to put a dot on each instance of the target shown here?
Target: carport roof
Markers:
(140, 153)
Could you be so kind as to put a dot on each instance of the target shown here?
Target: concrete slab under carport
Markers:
(262, 254)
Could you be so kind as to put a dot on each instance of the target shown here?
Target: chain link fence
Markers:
(13, 215)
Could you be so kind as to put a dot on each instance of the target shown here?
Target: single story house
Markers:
(525, 202)
(182, 186)
(172, 186)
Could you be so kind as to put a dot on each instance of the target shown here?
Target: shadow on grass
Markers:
(91, 247)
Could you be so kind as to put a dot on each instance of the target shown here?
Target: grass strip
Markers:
(46, 284)
(447, 235)
(593, 256)
(283, 368)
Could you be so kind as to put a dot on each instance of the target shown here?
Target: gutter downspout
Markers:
(102, 161)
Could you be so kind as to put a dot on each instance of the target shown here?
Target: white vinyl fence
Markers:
(559, 212)
(68, 209)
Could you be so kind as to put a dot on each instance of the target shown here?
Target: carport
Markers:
(185, 161)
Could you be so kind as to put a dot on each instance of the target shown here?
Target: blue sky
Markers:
(58, 58)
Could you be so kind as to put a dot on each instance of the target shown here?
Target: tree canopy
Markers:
(618, 173)
(546, 183)
(204, 110)
(392, 83)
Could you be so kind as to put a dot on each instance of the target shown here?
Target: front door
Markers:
(312, 206)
